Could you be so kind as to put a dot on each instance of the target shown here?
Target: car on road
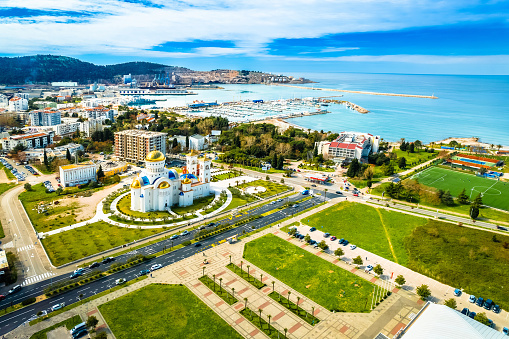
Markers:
(326, 235)
(198, 244)
(457, 292)
(369, 268)
(108, 260)
(339, 193)
(352, 247)
(2, 297)
(312, 229)
(313, 185)
(184, 233)
(57, 306)
(333, 238)
(295, 206)
(143, 272)
(472, 298)
(173, 237)
(496, 309)
(272, 202)
(75, 275)
(120, 281)
(472, 314)
(94, 265)
(79, 270)
(502, 228)
(210, 224)
(15, 289)
(465, 311)
(155, 267)
(279, 200)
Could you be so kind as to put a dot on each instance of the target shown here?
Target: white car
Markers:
(155, 267)
(57, 306)
(120, 281)
(352, 247)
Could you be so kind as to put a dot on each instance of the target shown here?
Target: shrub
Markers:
(28, 301)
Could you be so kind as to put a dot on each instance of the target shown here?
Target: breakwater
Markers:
(360, 92)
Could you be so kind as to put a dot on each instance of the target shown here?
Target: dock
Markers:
(361, 92)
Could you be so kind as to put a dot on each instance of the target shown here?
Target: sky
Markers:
(373, 36)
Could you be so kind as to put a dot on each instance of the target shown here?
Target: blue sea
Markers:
(467, 106)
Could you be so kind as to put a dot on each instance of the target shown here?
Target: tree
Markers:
(280, 162)
(474, 211)
(92, 321)
(307, 238)
(463, 198)
(400, 280)
(46, 162)
(378, 269)
(451, 303)
(59, 190)
(28, 187)
(482, 170)
(423, 291)
(357, 260)
(101, 335)
(353, 169)
(402, 162)
(418, 144)
(388, 169)
(447, 198)
(403, 145)
(411, 148)
(174, 143)
(478, 200)
(339, 252)
(68, 155)
(187, 141)
(482, 318)
(100, 173)
(369, 183)
(323, 245)
(274, 161)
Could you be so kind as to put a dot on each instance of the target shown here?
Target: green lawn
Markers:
(124, 206)
(69, 324)
(310, 275)
(4, 188)
(315, 168)
(83, 241)
(225, 176)
(164, 312)
(495, 193)
(10, 176)
(197, 205)
(416, 158)
(41, 168)
(368, 227)
(271, 187)
(457, 256)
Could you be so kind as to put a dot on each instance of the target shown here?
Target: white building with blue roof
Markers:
(158, 188)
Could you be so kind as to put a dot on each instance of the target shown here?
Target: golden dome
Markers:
(186, 181)
(155, 156)
(163, 185)
(136, 183)
(193, 153)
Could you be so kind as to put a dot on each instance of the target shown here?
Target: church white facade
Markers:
(158, 188)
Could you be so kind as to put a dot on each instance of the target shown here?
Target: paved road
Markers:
(17, 318)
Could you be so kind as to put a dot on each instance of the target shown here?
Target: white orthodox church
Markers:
(158, 188)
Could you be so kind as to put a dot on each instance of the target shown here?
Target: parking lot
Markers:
(17, 171)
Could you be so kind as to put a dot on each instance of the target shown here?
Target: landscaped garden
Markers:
(440, 250)
(87, 240)
(168, 311)
(271, 188)
(310, 275)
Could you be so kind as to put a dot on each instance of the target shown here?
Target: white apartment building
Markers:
(134, 145)
(32, 140)
(59, 152)
(77, 174)
(197, 142)
(4, 101)
(45, 118)
(97, 113)
(18, 104)
(348, 146)
(88, 127)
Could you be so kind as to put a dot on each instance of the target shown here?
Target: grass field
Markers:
(461, 257)
(83, 241)
(374, 229)
(271, 187)
(316, 278)
(167, 311)
(494, 193)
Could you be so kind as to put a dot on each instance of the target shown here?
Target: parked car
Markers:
(143, 272)
(326, 235)
(356, 194)
(341, 240)
(491, 323)
(339, 193)
(472, 298)
(155, 267)
(201, 227)
(15, 289)
(295, 206)
(345, 242)
(472, 314)
(57, 306)
(480, 301)
(279, 200)
(457, 292)
(333, 238)
(488, 304)
(312, 229)
(465, 311)
(120, 281)
(352, 247)
(313, 185)
(369, 268)
(496, 309)
(79, 333)
(505, 331)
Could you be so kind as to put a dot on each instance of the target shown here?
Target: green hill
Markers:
(48, 68)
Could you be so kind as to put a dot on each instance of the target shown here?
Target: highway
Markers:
(17, 318)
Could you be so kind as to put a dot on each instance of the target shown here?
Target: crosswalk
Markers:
(37, 278)
(25, 248)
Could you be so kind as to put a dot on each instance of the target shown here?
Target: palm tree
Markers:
(325, 194)
(220, 283)
(298, 300)
(289, 292)
(248, 271)
(313, 311)
(214, 282)
(241, 266)
(499, 147)
(273, 282)
(269, 316)
(245, 300)
(230, 259)
(286, 330)
(261, 278)
(233, 291)
(260, 310)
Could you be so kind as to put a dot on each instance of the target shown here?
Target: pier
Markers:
(361, 92)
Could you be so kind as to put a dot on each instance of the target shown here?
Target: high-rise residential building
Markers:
(134, 145)
(348, 146)
(45, 118)
(17, 104)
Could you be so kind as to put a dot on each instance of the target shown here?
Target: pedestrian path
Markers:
(25, 248)
(36, 278)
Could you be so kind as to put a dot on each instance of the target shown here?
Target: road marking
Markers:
(25, 248)
(36, 278)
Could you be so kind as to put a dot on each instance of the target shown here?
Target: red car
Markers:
(356, 194)
(333, 238)
(2, 297)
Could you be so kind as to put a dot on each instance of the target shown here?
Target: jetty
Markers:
(361, 92)
(356, 107)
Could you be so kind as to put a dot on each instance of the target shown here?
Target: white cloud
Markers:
(125, 28)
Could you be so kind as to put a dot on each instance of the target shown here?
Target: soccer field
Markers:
(494, 193)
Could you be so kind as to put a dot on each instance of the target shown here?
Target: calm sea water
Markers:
(467, 105)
